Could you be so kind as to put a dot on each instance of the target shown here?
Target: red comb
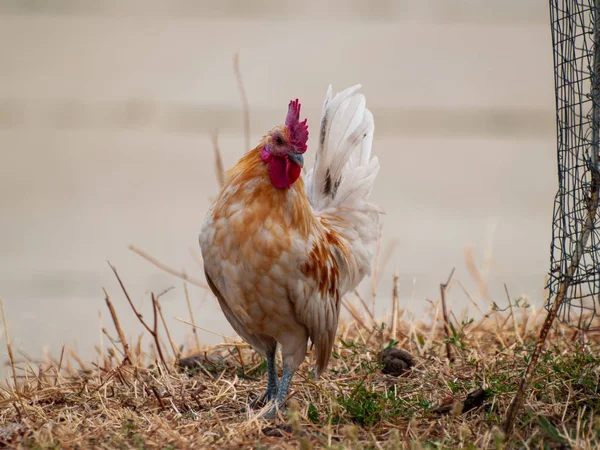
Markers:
(298, 130)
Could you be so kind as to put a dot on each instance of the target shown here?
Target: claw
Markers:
(271, 413)
(263, 398)
(257, 402)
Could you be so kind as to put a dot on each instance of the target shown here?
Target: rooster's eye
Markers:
(278, 140)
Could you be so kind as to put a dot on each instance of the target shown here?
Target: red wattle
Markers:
(278, 172)
(282, 172)
(293, 171)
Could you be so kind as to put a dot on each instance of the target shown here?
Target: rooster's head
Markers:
(284, 146)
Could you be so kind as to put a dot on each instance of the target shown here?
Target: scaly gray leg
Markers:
(272, 384)
(282, 392)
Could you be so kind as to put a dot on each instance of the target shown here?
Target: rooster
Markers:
(280, 252)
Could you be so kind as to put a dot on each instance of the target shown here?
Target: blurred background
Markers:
(107, 110)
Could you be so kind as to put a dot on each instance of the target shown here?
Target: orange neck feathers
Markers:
(248, 182)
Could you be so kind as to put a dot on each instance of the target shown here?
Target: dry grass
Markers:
(455, 395)
(137, 401)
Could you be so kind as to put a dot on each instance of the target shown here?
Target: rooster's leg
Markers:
(282, 392)
(293, 350)
(272, 384)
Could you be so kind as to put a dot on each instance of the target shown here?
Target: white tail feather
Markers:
(344, 172)
(341, 181)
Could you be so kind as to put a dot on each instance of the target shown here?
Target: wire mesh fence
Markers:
(575, 253)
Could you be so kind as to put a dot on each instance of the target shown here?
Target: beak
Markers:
(296, 158)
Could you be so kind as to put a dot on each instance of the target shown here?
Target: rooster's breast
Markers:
(252, 256)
